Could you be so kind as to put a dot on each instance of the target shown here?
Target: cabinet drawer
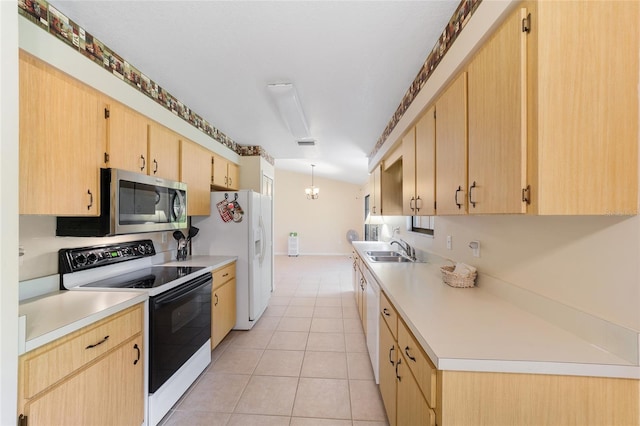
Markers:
(389, 314)
(420, 365)
(224, 274)
(50, 363)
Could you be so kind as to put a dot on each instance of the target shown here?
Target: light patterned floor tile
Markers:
(327, 325)
(294, 324)
(366, 402)
(196, 418)
(289, 340)
(280, 363)
(333, 342)
(322, 398)
(268, 395)
(328, 365)
(257, 420)
(215, 392)
(237, 361)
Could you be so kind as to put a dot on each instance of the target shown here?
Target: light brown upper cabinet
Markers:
(224, 174)
(583, 107)
(496, 102)
(62, 142)
(418, 167)
(163, 152)
(194, 171)
(375, 191)
(126, 139)
(451, 149)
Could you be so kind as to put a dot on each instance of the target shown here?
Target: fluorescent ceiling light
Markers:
(286, 98)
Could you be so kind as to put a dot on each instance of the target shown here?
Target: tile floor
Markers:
(304, 363)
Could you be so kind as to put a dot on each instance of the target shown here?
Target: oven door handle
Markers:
(182, 291)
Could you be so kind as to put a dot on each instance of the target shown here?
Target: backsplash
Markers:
(57, 24)
(37, 239)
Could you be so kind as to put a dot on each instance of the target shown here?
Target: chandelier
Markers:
(312, 191)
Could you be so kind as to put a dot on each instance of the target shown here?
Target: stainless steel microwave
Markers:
(131, 203)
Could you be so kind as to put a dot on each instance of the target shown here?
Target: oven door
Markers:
(179, 324)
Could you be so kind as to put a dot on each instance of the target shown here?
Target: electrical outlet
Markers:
(475, 247)
(448, 242)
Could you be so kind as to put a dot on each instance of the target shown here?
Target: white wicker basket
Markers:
(457, 280)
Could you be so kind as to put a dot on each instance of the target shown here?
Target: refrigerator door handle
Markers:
(263, 238)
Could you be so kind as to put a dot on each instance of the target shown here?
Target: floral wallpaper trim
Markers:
(54, 22)
(456, 24)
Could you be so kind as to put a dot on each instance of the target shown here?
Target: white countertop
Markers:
(470, 329)
(55, 315)
(51, 316)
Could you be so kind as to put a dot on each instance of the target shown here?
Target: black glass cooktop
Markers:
(151, 277)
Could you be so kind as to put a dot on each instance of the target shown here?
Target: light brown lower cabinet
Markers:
(387, 359)
(412, 407)
(223, 303)
(403, 398)
(70, 382)
(415, 393)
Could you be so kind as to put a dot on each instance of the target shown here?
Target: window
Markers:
(423, 224)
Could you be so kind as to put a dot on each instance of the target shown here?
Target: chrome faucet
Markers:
(408, 250)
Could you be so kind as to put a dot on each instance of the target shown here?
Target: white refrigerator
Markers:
(241, 224)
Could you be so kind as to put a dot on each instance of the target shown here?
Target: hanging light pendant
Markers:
(312, 191)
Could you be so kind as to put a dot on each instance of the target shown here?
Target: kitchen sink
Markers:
(384, 253)
(393, 258)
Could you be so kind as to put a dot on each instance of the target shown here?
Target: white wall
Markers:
(321, 224)
(589, 263)
(8, 212)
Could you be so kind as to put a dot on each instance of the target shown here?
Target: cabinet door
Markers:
(409, 173)
(425, 164)
(194, 171)
(126, 139)
(218, 171)
(62, 142)
(388, 355)
(223, 311)
(109, 392)
(586, 106)
(233, 176)
(164, 153)
(375, 192)
(412, 408)
(497, 143)
(451, 149)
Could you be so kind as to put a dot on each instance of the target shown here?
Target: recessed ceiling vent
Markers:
(306, 142)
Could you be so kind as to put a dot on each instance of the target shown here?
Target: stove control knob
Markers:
(148, 248)
(141, 249)
(92, 258)
(127, 251)
(80, 259)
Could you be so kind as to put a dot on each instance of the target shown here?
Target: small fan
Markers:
(352, 235)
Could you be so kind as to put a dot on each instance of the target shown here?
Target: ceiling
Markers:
(350, 61)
